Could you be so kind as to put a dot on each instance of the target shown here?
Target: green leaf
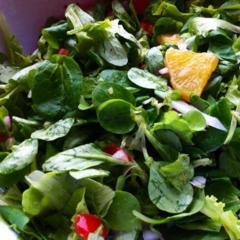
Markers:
(89, 173)
(106, 91)
(144, 79)
(178, 173)
(113, 52)
(194, 208)
(215, 210)
(13, 48)
(6, 73)
(98, 196)
(124, 17)
(195, 120)
(79, 158)
(172, 121)
(60, 79)
(116, 116)
(166, 197)
(166, 9)
(55, 34)
(202, 26)
(54, 131)
(14, 216)
(77, 16)
(120, 215)
(46, 190)
(233, 93)
(119, 77)
(154, 60)
(21, 156)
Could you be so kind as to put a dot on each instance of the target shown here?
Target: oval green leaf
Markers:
(106, 91)
(115, 116)
(165, 196)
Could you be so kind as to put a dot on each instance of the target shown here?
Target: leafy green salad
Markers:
(123, 124)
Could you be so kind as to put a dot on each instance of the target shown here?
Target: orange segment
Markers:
(169, 38)
(189, 71)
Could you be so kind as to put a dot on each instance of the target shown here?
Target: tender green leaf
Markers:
(14, 216)
(172, 121)
(77, 16)
(144, 79)
(21, 156)
(195, 207)
(55, 34)
(57, 130)
(202, 26)
(170, 10)
(113, 52)
(98, 196)
(116, 116)
(124, 17)
(6, 73)
(79, 158)
(178, 173)
(215, 210)
(120, 215)
(106, 91)
(13, 48)
(89, 173)
(233, 93)
(60, 79)
(45, 192)
(154, 60)
(164, 196)
(195, 120)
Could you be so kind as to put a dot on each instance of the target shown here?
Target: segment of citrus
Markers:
(169, 38)
(189, 71)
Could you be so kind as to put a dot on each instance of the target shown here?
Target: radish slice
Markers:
(163, 71)
(184, 107)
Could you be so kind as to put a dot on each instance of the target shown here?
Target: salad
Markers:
(124, 124)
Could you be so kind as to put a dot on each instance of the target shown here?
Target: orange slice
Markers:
(189, 71)
(169, 38)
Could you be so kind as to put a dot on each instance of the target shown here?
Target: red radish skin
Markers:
(140, 6)
(88, 223)
(117, 152)
(146, 26)
(63, 51)
(3, 138)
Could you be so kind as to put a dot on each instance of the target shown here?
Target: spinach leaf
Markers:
(60, 79)
(120, 220)
(21, 156)
(106, 91)
(164, 196)
(195, 120)
(144, 79)
(116, 116)
(54, 131)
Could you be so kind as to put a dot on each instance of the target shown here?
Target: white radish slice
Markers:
(184, 107)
